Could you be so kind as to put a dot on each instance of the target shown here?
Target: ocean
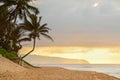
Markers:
(110, 69)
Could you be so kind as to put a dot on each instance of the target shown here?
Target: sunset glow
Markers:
(60, 39)
(94, 55)
(79, 28)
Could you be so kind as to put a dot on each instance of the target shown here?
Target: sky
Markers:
(81, 29)
(81, 22)
(93, 55)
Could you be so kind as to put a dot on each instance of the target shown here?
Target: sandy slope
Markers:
(12, 71)
(7, 65)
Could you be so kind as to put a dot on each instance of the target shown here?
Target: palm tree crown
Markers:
(36, 29)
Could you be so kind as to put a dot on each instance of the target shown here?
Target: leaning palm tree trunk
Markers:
(34, 41)
(21, 58)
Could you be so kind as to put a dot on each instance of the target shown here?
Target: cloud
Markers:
(64, 50)
(71, 18)
(114, 51)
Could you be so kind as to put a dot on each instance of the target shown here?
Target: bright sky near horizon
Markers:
(94, 55)
(89, 23)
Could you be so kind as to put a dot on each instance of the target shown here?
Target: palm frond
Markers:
(43, 27)
(39, 19)
(27, 25)
(24, 39)
(8, 3)
(33, 19)
(43, 30)
(32, 8)
(31, 35)
(47, 36)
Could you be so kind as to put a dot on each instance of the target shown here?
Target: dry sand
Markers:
(12, 71)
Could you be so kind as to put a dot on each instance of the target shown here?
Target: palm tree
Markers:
(7, 5)
(22, 7)
(17, 8)
(17, 36)
(4, 42)
(10, 10)
(36, 30)
(12, 34)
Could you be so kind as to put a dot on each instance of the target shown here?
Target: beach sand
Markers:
(12, 71)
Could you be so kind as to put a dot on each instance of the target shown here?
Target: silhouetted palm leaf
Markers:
(47, 36)
(24, 39)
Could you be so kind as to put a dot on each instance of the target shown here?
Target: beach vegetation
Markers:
(19, 22)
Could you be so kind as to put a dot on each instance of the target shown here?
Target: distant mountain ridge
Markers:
(35, 59)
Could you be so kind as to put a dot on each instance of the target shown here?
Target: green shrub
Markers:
(6, 54)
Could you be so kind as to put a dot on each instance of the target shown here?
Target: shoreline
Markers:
(12, 71)
(55, 73)
(109, 69)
